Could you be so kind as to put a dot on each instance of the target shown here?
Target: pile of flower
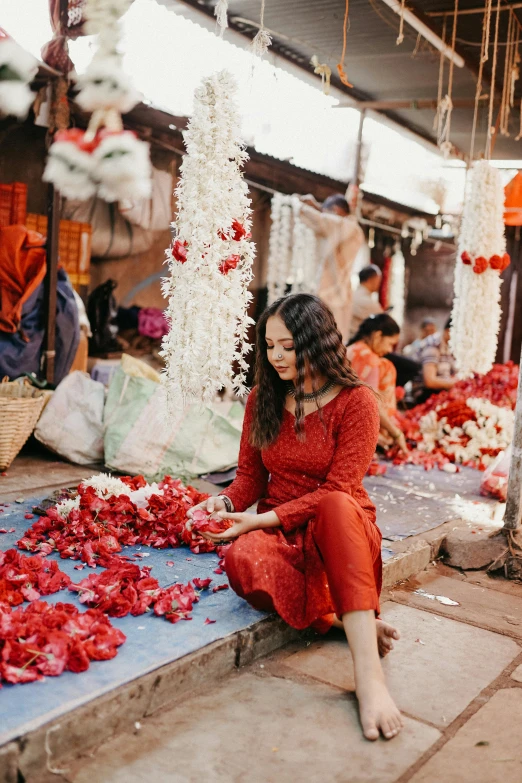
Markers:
(469, 424)
(109, 514)
(27, 578)
(45, 640)
(202, 522)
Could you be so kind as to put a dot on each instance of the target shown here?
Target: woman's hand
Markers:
(243, 523)
(211, 505)
(400, 441)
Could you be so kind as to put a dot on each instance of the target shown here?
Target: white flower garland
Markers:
(210, 261)
(292, 256)
(476, 307)
(398, 286)
(493, 429)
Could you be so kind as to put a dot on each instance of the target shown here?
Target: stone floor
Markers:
(456, 675)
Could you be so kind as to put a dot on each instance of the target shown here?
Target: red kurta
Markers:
(292, 477)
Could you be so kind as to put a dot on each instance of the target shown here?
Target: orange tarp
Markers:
(513, 205)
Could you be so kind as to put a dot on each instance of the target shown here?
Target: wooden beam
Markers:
(408, 104)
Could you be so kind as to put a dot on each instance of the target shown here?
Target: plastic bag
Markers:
(71, 424)
(143, 436)
(495, 479)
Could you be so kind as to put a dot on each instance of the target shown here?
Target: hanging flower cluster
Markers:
(482, 245)
(46, 640)
(17, 69)
(28, 578)
(105, 160)
(96, 525)
(397, 288)
(292, 255)
(211, 258)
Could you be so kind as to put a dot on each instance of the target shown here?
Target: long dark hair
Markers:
(376, 323)
(319, 350)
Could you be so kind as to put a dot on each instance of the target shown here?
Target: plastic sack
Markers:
(113, 236)
(71, 424)
(495, 478)
(155, 213)
(143, 437)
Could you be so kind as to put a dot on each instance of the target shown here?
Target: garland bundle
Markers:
(292, 256)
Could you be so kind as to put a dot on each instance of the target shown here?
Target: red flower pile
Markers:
(499, 386)
(121, 589)
(27, 578)
(481, 263)
(99, 528)
(175, 603)
(45, 640)
(202, 522)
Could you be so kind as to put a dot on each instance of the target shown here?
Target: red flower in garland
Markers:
(236, 232)
(230, 263)
(466, 258)
(506, 260)
(179, 250)
(496, 262)
(480, 265)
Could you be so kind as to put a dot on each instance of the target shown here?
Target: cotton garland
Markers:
(292, 254)
(211, 258)
(482, 258)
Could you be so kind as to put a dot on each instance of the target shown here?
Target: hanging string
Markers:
(515, 69)
(417, 47)
(445, 108)
(491, 130)
(220, 12)
(340, 65)
(484, 55)
(324, 71)
(263, 38)
(505, 108)
(517, 138)
(400, 37)
(438, 118)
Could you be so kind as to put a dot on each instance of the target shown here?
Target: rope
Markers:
(505, 107)
(324, 71)
(340, 65)
(445, 107)
(484, 54)
(492, 91)
(263, 38)
(400, 37)
(442, 62)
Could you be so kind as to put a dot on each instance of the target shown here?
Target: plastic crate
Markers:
(74, 246)
(13, 204)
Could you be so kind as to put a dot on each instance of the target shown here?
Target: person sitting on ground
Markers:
(365, 302)
(339, 238)
(312, 552)
(438, 365)
(377, 336)
(428, 328)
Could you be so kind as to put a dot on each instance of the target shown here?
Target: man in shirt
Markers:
(339, 237)
(365, 302)
(438, 365)
(427, 329)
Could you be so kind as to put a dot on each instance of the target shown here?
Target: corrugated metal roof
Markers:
(377, 67)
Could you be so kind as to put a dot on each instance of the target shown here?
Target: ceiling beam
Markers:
(408, 103)
(470, 11)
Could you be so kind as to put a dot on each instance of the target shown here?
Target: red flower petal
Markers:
(209, 622)
(220, 587)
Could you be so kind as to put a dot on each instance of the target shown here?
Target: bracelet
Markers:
(228, 503)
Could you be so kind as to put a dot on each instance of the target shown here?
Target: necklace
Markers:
(311, 396)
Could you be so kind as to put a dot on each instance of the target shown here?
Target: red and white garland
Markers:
(211, 258)
(105, 160)
(482, 258)
(292, 256)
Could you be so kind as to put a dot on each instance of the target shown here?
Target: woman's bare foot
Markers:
(377, 710)
(385, 634)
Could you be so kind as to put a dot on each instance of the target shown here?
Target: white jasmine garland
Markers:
(398, 286)
(476, 307)
(207, 308)
(18, 68)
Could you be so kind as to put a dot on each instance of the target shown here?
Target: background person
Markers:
(427, 328)
(438, 365)
(376, 337)
(313, 548)
(365, 302)
(340, 238)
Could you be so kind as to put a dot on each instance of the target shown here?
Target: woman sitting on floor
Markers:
(376, 337)
(312, 552)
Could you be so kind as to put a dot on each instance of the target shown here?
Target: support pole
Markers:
(513, 515)
(51, 282)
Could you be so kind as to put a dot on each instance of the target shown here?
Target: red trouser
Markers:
(345, 543)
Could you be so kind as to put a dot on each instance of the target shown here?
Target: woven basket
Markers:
(20, 409)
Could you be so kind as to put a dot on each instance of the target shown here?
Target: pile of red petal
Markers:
(27, 578)
(202, 522)
(121, 589)
(499, 386)
(99, 528)
(44, 639)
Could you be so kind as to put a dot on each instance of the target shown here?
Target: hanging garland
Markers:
(105, 160)
(17, 70)
(210, 260)
(397, 290)
(482, 259)
(292, 253)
